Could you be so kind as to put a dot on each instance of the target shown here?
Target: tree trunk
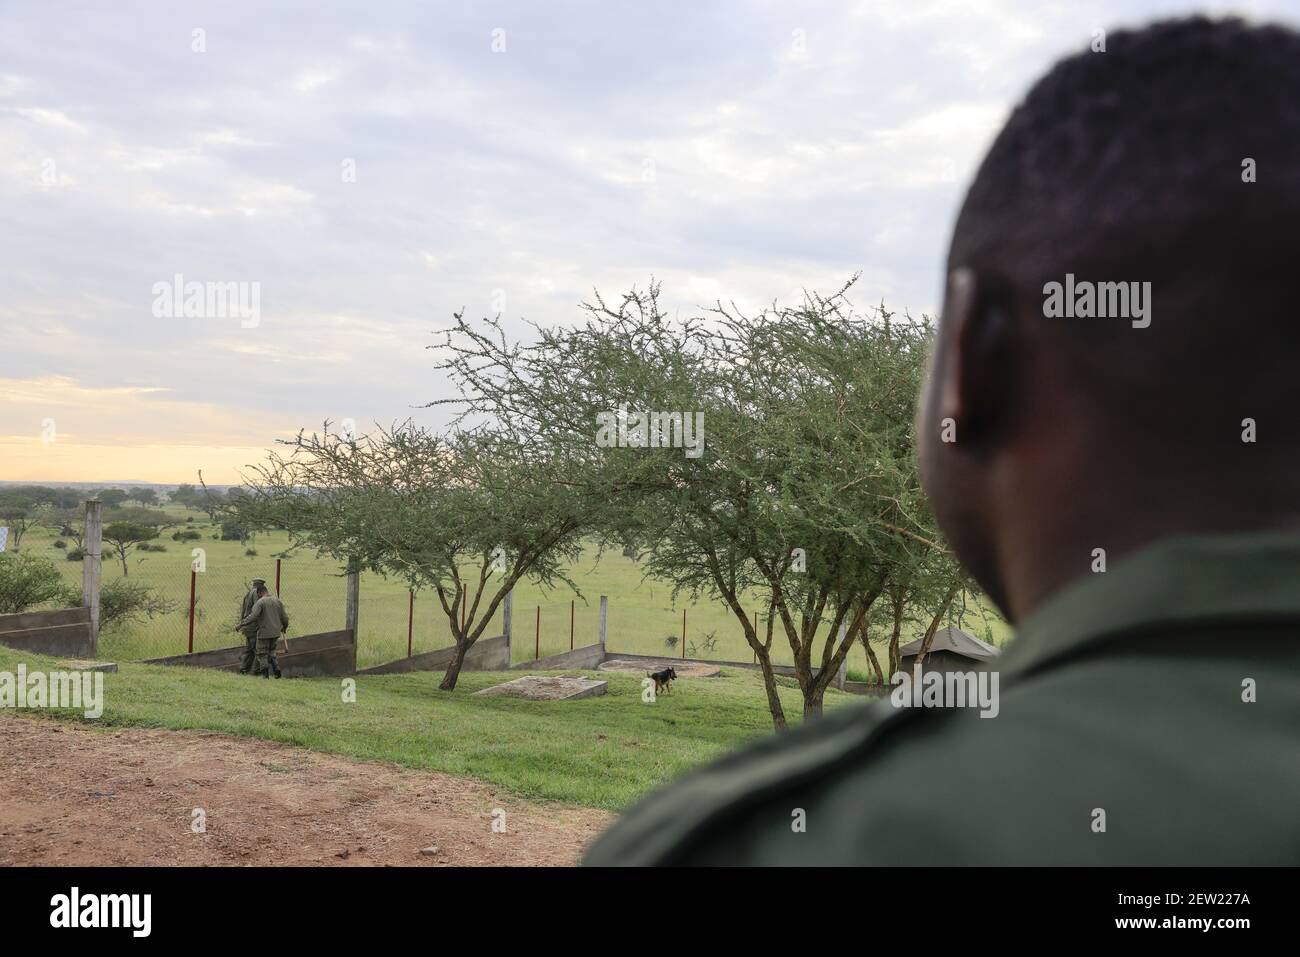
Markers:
(773, 697)
(918, 663)
(761, 651)
(871, 657)
(812, 701)
(453, 669)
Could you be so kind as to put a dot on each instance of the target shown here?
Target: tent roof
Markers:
(955, 640)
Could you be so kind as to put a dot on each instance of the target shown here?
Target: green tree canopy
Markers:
(123, 536)
(802, 499)
(27, 581)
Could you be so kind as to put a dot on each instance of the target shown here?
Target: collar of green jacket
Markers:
(1174, 583)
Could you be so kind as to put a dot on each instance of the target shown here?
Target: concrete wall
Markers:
(65, 632)
(329, 653)
(588, 657)
(486, 654)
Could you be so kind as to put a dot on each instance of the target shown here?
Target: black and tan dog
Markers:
(663, 679)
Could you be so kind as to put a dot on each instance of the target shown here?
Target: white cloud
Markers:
(48, 117)
(308, 81)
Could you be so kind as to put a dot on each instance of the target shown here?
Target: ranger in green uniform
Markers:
(1125, 486)
(269, 621)
(249, 633)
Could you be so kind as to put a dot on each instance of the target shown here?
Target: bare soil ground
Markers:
(71, 795)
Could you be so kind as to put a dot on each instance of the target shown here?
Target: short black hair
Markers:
(1112, 151)
(1128, 165)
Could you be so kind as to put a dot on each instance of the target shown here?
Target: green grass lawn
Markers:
(641, 613)
(602, 752)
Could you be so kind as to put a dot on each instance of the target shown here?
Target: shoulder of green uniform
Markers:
(658, 830)
(1170, 585)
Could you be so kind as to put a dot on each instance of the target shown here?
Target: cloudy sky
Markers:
(374, 167)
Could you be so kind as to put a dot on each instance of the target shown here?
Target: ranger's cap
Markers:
(259, 581)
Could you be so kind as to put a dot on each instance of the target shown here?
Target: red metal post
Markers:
(570, 624)
(755, 636)
(193, 578)
(537, 645)
(277, 577)
(410, 620)
(464, 600)
(683, 632)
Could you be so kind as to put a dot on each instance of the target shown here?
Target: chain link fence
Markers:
(643, 617)
(202, 604)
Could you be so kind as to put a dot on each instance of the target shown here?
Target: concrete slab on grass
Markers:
(82, 664)
(548, 688)
(684, 669)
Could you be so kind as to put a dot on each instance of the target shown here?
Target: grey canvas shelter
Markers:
(951, 650)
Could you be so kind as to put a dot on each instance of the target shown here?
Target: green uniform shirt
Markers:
(246, 606)
(1123, 692)
(267, 618)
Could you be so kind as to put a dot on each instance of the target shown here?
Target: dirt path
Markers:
(70, 795)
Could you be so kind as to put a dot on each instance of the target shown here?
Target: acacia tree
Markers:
(584, 393)
(841, 469)
(112, 497)
(68, 523)
(123, 536)
(466, 513)
(799, 496)
(20, 511)
(185, 494)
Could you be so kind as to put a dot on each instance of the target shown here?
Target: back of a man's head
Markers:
(1119, 332)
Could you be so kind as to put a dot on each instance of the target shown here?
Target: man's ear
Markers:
(978, 361)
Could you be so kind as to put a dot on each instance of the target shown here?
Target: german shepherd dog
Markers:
(663, 679)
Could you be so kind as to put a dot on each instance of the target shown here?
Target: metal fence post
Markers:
(91, 569)
(683, 634)
(604, 620)
(410, 620)
(277, 578)
(537, 646)
(194, 576)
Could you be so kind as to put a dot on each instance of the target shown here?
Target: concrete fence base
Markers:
(64, 632)
(330, 653)
(586, 658)
(486, 654)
